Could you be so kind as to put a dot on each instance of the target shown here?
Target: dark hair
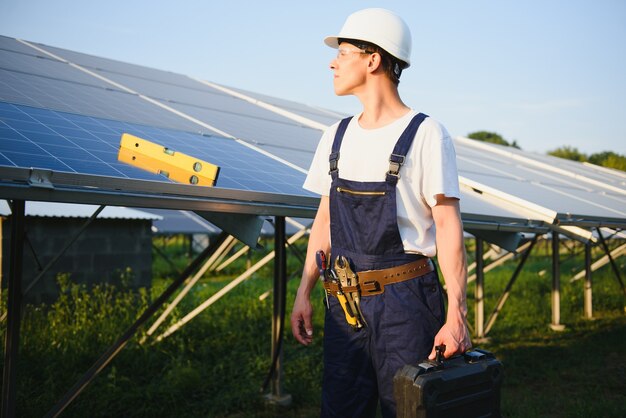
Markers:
(391, 66)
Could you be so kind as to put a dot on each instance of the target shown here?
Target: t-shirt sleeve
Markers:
(440, 174)
(318, 180)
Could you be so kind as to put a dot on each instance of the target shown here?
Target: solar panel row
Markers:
(31, 75)
(563, 194)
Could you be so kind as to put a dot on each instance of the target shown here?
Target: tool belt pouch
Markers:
(348, 287)
(373, 282)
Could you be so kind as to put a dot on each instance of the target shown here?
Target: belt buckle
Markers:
(365, 287)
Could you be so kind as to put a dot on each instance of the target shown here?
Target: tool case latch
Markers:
(477, 355)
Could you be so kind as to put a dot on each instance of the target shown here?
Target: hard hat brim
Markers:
(332, 41)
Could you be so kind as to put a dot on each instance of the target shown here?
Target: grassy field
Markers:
(214, 366)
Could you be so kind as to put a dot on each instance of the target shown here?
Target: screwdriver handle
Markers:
(320, 259)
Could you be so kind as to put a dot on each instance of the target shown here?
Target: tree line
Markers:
(608, 159)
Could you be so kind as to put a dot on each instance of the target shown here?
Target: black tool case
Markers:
(462, 386)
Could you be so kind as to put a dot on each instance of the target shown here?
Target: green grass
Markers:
(214, 366)
(578, 372)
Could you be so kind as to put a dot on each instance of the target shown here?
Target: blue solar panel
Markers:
(287, 139)
(325, 116)
(45, 67)
(42, 138)
(29, 78)
(67, 96)
(177, 88)
(10, 44)
(108, 67)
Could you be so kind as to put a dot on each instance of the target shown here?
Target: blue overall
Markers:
(402, 322)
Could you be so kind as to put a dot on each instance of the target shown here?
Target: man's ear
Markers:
(374, 62)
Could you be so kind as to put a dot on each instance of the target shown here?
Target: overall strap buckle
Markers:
(395, 163)
(333, 159)
(402, 146)
(334, 154)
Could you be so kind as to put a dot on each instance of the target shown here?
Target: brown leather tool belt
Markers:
(373, 282)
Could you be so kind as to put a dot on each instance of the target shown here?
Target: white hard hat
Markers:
(380, 27)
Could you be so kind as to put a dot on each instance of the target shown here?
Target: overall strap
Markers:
(396, 159)
(334, 153)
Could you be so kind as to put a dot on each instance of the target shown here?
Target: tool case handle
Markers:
(473, 356)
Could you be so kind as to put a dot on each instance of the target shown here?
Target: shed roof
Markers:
(74, 210)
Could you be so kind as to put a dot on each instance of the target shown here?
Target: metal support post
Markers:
(605, 247)
(276, 395)
(601, 262)
(587, 292)
(556, 284)
(509, 286)
(479, 292)
(1, 234)
(12, 340)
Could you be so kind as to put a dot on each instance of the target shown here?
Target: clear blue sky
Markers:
(546, 73)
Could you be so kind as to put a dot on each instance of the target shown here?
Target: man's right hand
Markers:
(319, 239)
(301, 319)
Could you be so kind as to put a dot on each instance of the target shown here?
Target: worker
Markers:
(389, 202)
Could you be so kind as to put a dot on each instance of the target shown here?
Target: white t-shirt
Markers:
(429, 169)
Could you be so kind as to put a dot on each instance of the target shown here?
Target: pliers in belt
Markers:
(348, 278)
(328, 274)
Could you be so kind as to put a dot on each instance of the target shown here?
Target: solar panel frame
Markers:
(181, 222)
(47, 185)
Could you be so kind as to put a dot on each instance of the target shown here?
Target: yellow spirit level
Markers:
(169, 163)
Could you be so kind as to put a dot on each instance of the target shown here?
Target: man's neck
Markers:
(381, 106)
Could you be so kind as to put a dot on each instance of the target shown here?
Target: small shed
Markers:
(115, 246)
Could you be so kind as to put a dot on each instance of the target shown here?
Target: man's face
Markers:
(349, 67)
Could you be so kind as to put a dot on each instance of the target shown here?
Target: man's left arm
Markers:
(453, 265)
